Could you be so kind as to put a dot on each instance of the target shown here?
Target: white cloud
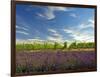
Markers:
(75, 34)
(47, 16)
(54, 33)
(20, 41)
(84, 26)
(36, 40)
(29, 41)
(57, 8)
(49, 12)
(67, 30)
(41, 15)
(55, 39)
(55, 36)
(22, 32)
(91, 21)
(52, 30)
(83, 37)
(23, 28)
(80, 35)
(73, 15)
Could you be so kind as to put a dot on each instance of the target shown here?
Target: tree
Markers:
(65, 45)
(55, 45)
(73, 45)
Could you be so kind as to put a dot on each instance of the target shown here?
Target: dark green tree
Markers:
(65, 45)
(55, 45)
(73, 45)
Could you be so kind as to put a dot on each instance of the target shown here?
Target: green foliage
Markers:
(56, 45)
(65, 45)
(73, 45)
(86, 45)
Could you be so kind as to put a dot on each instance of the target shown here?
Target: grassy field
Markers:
(46, 45)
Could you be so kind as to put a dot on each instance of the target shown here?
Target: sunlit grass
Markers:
(54, 46)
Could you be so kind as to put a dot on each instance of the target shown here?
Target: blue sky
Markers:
(35, 22)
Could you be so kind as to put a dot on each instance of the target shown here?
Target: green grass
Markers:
(56, 45)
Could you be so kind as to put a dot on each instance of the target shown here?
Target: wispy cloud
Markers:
(81, 32)
(57, 8)
(49, 12)
(65, 24)
(35, 40)
(90, 23)
(22, 28)
(52, 30)
(67, 31)
(79, 35)
(55, 36)
(23, 23)
(54, 33)
(22, 32)
(84, 26)
(51, 38)
(83, 37)
(73, 15)
(30, 41)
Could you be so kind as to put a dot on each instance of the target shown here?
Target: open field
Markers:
(48, 61)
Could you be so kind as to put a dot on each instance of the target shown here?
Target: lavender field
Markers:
(37, 62)
(54, 39)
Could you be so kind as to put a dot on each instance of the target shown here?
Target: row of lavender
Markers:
(31, 62)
